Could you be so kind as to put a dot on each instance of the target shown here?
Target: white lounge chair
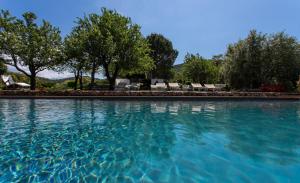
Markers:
(197, 86)
(187, 87)
(220, 86)
(174, 86)
(209, 87)
(158, 84)
(9, 82)
(133, 86)
(122, 84)
(154, 81)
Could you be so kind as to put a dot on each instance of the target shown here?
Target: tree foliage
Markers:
(283, 60)
(200, 70)
(116, 44)
(3, 67)
(262, 59)
(163, 54)
(244, 62)
(28, 47)
(76, 58)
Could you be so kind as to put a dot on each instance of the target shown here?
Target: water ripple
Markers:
(110, 141)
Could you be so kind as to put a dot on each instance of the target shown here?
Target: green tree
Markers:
(262, 59)
(219, 62)
(116, 44)
(163, 54)
(76, 58)
(244, 61)
(283, 65)
(95, 44)
(199, 70)
(3, 68)
(28, 47)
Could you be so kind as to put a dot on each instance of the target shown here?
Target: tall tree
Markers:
(199, 70)
(28, 47)
(93, 42)
(76, 58)
(3, 67)
(244, 62)
(283, 60)
(263, 59)
(163, 54)
(116, 44)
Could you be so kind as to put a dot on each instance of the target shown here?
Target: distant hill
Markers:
(19, 77)
(178, 67)
(22, 78)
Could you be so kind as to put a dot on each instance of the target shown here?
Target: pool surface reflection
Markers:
(127, 141)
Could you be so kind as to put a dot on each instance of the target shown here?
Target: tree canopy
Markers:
(3, 68)
(112, 43)
(76, 59)
(163, 54)
(116, 44)
(199, 70)
(263, 59)
(28, 47)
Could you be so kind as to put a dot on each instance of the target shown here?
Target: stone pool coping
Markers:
(147, 95)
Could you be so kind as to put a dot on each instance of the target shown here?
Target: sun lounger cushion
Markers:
(210, 86)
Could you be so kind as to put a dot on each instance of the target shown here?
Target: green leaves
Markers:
(199, 70)
(263, 59)
(163, 54)
(27, 46)
(115, 43)
(3, 67)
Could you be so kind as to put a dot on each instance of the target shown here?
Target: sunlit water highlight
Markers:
(127, 141)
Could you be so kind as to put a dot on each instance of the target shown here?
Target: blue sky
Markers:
(196, 26)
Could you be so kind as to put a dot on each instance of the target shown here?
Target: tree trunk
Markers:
(32, 82)
(112, 83)
(75, 83)
(76, 80)
(80, 81)
(112, 79)
(93, 75)
(109, 79)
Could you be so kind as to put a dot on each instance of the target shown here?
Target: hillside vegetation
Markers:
(45, 83)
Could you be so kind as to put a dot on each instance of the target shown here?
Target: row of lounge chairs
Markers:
(160, 85)
(122, 84)
(198, 86)
(193, 86)
(125, 84)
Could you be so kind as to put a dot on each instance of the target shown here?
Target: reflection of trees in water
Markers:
(140, 129)
(31, 116)
(18, 137)
(129, 134)
(265, 131)
(18, 120)
(2, 119)
(110, 138)
(198, 118)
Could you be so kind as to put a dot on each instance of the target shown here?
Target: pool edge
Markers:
(189, 98)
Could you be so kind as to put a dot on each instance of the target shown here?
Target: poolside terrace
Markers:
(147, 94)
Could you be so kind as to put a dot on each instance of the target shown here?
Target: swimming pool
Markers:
(128, 141)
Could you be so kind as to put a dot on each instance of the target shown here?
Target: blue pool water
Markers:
(127, 141)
